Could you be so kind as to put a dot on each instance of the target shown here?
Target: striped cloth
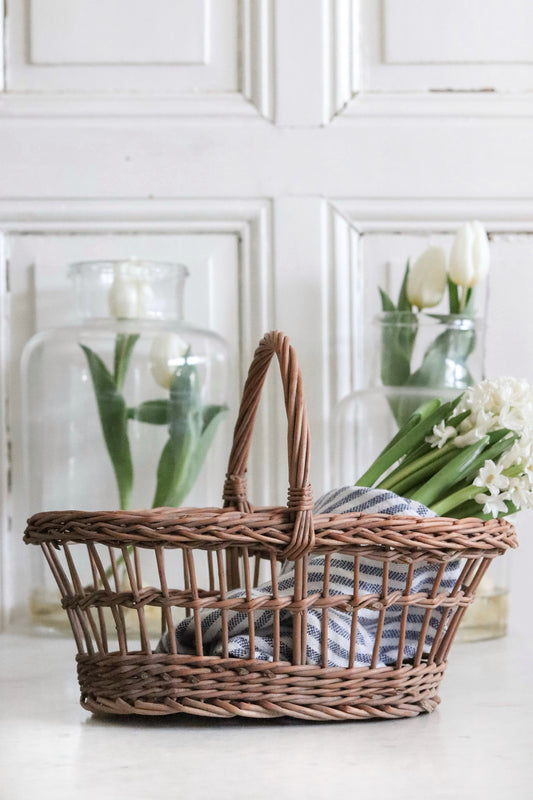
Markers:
(338, 501)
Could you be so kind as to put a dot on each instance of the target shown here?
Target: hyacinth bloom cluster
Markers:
(470, 457)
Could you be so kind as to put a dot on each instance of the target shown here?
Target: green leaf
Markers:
(405, 444)
(184, 432)
(445, 360)
(399, 333)
(124, 345)
(403, 301)
(451, 474)
(212, 416)
(395, 480)
(386, 302)
(398, 338)
(114, 420)
(468, 310)
(444, 364)
(172, 469)
(154, 412)
(453, 296)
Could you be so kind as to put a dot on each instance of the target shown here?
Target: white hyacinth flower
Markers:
(490, 477)
(496, 404)
(426, 281)
(520, 492)
(166, 355)
(442, 433)
(493, 504)
(470, 255)
(129, 296)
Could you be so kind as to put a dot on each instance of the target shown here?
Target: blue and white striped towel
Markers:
(338, 501)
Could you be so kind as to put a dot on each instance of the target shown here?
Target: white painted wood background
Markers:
(287, 150)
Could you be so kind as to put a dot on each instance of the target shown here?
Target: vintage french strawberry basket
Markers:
(311, 611)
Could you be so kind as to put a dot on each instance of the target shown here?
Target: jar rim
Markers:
(158, 268)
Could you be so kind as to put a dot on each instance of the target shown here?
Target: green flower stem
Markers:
(426, 448)
(451, 474)
(416, 417)
(468, 509)
(490, 454)
(415, 454)
(424, 473)
(455, 500)
(513, 472)
(454, 422)
(406, 470)
(406, 443)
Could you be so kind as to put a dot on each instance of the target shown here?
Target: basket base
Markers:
(160, 684)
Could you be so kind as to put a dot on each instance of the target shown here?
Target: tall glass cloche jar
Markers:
(414, 360)
(125, 409)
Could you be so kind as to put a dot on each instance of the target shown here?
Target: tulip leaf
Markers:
(445, 360)
(192, 428)
(468, 310)
(398, 338)
(113, 414)
(172, 469)
(453, 295)
(124, 345)
(403, 300)
(154, 412)
(211, 416)
(444, 364)
(386, 302)
(185, 425)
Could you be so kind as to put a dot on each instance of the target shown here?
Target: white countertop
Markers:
(478, 744)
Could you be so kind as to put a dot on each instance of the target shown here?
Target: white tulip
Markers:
(129, 297)
(426, 281)
(166, 355)
(470, 255)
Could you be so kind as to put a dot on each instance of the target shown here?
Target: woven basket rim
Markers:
(268, 529)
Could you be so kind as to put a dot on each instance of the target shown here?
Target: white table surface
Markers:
(478, 744)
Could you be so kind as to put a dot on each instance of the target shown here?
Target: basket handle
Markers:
(300, 498)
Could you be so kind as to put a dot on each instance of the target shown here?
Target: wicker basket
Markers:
(124, 674)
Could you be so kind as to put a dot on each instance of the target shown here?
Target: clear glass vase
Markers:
(414, 360)
(124, 410)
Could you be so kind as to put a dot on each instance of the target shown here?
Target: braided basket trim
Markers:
(269, 529)
(163, 684)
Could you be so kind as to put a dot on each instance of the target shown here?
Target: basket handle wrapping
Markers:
(300, 497)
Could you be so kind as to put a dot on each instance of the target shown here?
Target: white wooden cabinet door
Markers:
(291, 152)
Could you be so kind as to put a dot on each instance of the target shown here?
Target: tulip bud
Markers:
(129, 297)
(470, 256)
(166, 355)
(426, 281)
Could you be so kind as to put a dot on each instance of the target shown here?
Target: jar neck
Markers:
(132, 289)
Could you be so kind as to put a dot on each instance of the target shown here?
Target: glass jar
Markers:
(121, 410)
(415, 359)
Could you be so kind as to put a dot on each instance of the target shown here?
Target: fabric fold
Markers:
(341, 578)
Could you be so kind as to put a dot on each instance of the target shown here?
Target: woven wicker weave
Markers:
(123, 675)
